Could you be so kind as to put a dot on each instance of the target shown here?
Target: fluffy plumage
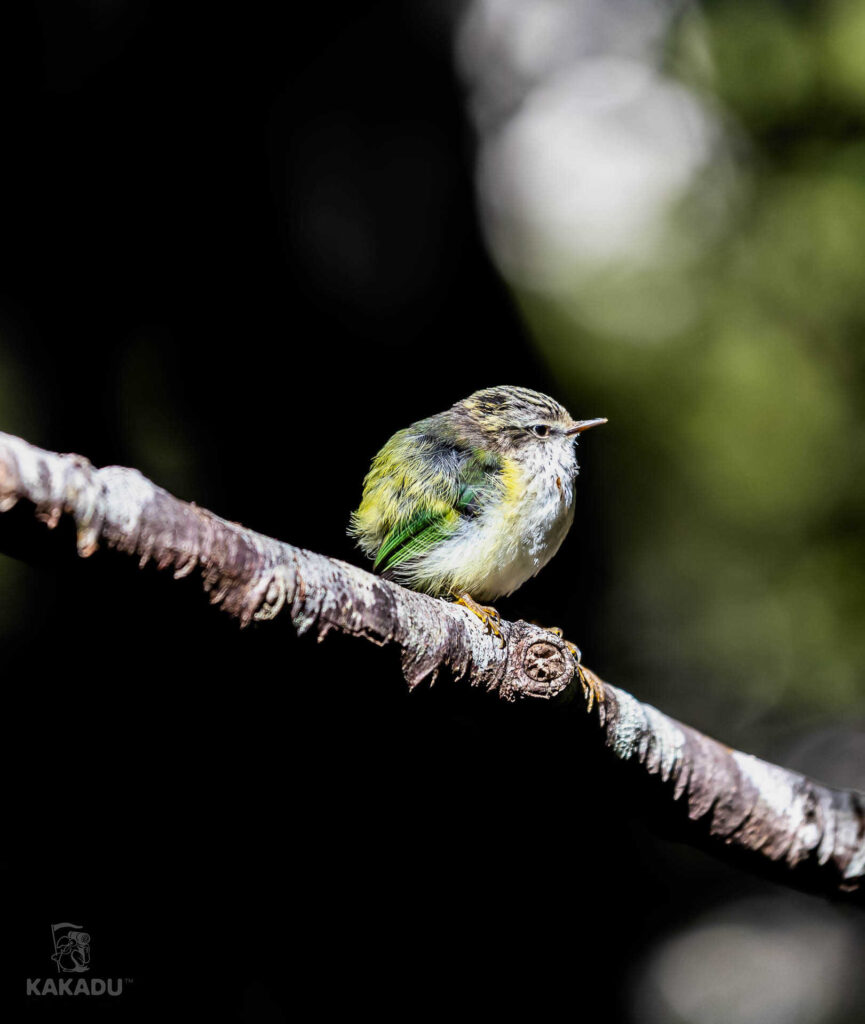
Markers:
(476, 499)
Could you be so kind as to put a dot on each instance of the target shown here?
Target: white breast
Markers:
(514, 537)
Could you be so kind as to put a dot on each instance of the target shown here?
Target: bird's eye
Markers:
(540, 429)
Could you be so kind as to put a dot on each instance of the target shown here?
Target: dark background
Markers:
(240, 247)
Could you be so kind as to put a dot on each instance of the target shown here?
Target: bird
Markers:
(470, 503)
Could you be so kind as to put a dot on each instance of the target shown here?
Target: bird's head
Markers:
(519, 423)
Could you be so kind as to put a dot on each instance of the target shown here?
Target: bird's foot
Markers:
(593, 688)
(488, 616)
(571, 647)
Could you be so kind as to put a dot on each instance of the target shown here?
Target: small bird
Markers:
(470, 503)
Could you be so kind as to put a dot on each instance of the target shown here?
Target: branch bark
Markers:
(766, 817)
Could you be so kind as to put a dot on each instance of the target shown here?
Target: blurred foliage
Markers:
(731, 368)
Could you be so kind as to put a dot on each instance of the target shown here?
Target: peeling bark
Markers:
(763, 815)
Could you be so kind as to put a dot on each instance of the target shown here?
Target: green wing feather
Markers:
(412, 538)
(418, 492)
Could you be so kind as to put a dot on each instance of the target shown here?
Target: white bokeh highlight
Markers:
(584, 144)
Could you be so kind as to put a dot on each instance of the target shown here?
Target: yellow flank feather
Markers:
(513, 482)
(402, 480)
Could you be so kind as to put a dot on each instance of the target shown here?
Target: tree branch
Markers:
(769, 818)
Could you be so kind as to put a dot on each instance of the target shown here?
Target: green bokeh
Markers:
(732, 368)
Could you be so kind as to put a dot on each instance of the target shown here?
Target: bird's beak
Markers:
(582, 425)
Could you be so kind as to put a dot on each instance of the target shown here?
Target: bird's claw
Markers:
(488, 615)
(556, 631)
(575, 651)
(593, 688)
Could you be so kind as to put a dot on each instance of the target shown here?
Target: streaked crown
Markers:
(506, 404)
(507, 419)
